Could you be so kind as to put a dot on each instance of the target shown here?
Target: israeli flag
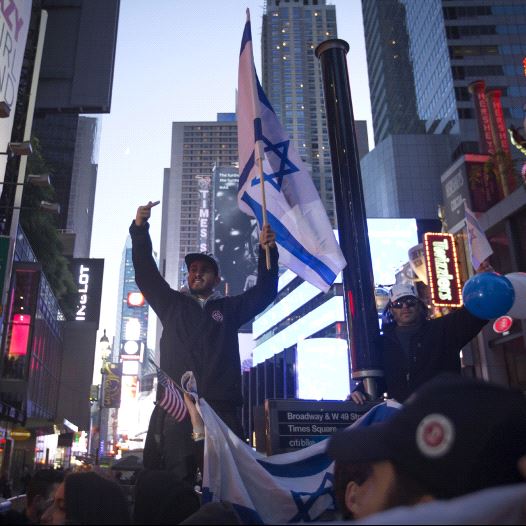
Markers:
(294, 210)
(479, 247)
(291, 487)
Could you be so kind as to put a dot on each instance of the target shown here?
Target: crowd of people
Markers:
(454, 453)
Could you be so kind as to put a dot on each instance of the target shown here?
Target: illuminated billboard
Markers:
(135, 299)
(442, 269)
(88, 274)
(203, 185)
(111, 385)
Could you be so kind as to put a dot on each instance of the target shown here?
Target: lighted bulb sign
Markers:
(203, 183)
(442, 269)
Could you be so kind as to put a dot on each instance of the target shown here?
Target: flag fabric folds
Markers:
(307, 245)
(479, 247)
(171, 401)
(290, 487)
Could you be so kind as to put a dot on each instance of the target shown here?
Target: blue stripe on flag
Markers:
(288, 242)
(263, 97)
(306, 467)
(258, 129)
(246, 172)
(247, 37)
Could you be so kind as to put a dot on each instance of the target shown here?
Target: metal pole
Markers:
(358, 281)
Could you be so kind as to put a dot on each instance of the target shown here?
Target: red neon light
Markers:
(502, 324)
(524, 65)
(496, 104)
(19, 335)
(478, 90)
(351, 304)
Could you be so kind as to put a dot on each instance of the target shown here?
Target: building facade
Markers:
(187, 190)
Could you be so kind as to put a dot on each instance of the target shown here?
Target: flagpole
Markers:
(358, 281)
(259, 148)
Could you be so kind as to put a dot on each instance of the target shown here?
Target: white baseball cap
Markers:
(401, 290)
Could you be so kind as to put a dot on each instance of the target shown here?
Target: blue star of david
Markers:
(286, 167)
(305, 505)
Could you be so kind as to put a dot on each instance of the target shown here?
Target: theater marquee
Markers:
(442, 269)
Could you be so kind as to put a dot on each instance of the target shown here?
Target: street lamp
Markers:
(5, 110)
(40, 180)
(105, 347)
(19, 148)
(105, 353)
(45, 206)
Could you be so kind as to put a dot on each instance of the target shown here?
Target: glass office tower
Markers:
(456, 42)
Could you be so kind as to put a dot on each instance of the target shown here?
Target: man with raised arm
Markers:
(200, 334)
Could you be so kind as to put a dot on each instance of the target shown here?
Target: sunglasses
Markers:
(408, 302)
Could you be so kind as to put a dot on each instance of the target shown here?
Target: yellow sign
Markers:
(20, 433)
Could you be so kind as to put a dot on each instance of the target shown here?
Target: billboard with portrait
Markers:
(236, 235)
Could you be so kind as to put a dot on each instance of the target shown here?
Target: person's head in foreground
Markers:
(88, 498)
(452, 437)
(41, 492)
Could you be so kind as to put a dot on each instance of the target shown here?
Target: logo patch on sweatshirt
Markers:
(217, 316)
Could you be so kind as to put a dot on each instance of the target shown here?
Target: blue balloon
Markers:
(488, 295)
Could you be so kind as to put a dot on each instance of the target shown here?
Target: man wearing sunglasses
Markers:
(414, 348)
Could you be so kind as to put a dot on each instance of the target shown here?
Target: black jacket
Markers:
(434, 349)
(201, 339)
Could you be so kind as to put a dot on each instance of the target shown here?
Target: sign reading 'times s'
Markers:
(442, 269)
(87, 274)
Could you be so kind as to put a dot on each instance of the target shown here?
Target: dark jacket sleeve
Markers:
(147, 276)
(257, 298)
(459, 328)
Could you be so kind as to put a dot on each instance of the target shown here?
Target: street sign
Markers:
(295, 424)
(503, 324)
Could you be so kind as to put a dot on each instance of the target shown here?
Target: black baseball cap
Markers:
(455, 436)
(203, 256)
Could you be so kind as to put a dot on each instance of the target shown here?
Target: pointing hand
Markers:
(144, 212)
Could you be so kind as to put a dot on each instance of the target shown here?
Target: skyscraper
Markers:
(292, 80)
(186, 223)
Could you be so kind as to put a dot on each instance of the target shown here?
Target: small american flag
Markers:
(171, 401)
